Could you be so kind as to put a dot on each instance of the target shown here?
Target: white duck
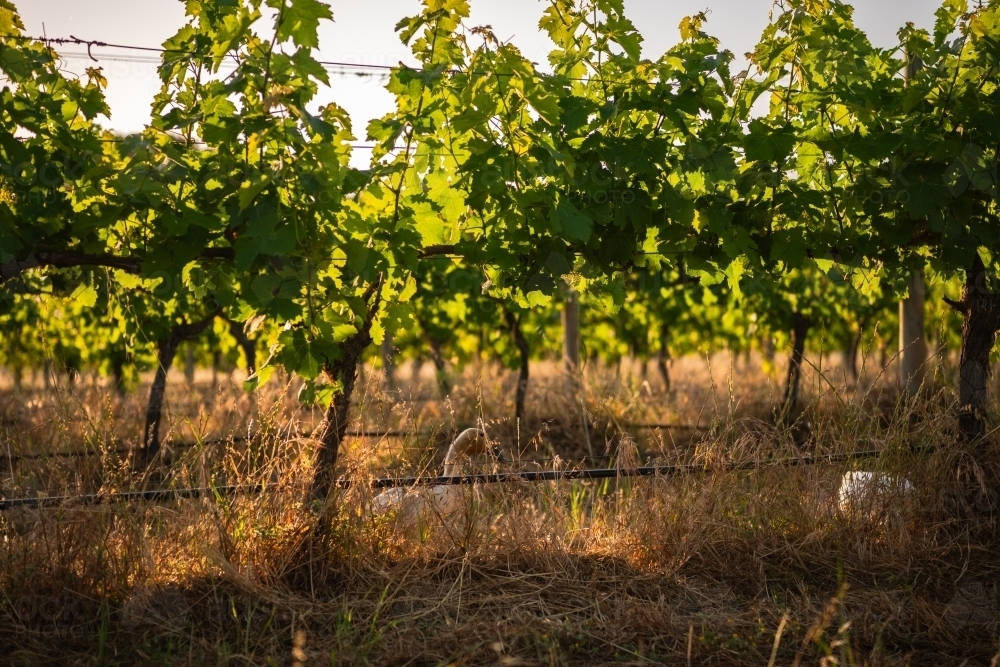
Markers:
(443, 500)
(863, 492)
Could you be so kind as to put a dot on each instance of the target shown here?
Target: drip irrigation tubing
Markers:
(159, 495)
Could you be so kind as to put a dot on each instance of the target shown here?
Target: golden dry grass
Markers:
(694, 569)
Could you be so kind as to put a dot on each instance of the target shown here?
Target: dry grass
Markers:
(682, 570)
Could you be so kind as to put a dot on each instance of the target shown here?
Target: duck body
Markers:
(410, 504)
(441, 500)
(867, 492)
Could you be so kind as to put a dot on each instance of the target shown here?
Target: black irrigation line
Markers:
(158, 495)
(608, 473)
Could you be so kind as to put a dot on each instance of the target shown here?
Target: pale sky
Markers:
(362, 32)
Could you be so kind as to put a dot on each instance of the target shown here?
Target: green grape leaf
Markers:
(129, 281)
(85, 295)
(301, 355)
(733, 273)
(252, 187)
(443, 193)
(300, 20)
(430, 225)
(263, 234)
(569, 220)
(342, 332)
(325, 393)
(617, 245)
(312, 393)
(767, 144)
(259, 378)
(789, 247)
(946, 17)
(377, 331)
(357, 255)
(408, 290)
(470, 118)
(558, 264)
(10, 22)
(623, 31)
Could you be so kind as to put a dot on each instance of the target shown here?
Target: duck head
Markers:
(470, 442)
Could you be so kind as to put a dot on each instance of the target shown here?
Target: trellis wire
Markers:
(239, 439)
(388, 69)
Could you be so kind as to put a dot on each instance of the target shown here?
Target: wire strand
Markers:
(91, 44)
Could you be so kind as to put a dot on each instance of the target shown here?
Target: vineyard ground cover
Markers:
(569, 572)
(43, 448)
(652, 418)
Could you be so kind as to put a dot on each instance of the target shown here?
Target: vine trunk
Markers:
(663, 356)
(800, 329)
(980, 309)
(345, 371)
(166, 351)
(514, 322)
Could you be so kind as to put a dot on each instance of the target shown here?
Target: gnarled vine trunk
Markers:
(912, 342)
(118, 374)
(388, 362)
(416, 368)
(980, 309)
(571, 334)
(345, 371)
(851, 354)
(189, 364)
(166, 350)
(800, 329)
(663, 356)
(883, 354)
(767, 348)
(514, 323)
(440, 368)
(216, 359)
